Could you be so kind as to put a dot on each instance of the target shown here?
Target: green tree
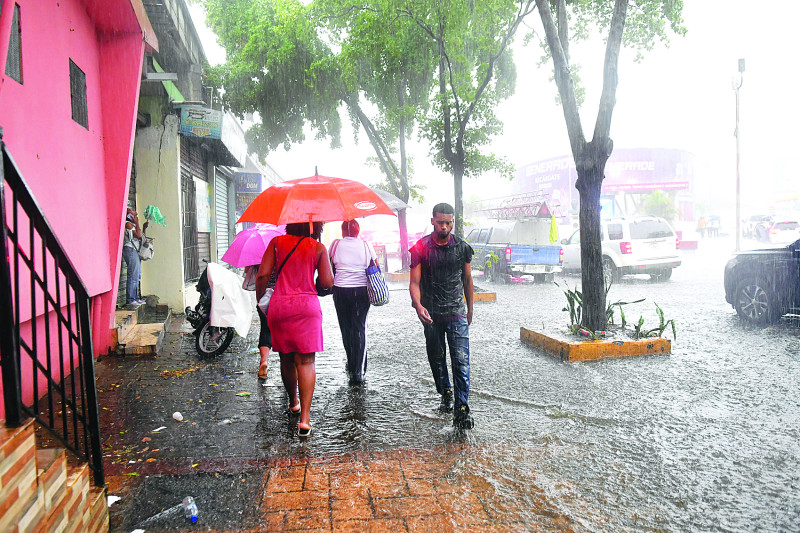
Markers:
(636, 23)
(276, 66)
(390, 63)
(474, 73)
(659, 204)
(280, 64)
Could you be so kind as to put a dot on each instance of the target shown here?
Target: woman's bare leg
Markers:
(306, 378)
(264, 350)
(289, 377)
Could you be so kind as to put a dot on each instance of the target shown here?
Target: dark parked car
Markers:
(764, 285)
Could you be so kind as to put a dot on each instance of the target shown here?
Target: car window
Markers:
(650, 229)
(473, 235)
(614, 232)
(575, 238)
(786, 225)
(482, 237)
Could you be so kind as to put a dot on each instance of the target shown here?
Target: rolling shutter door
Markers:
(196, 244)
(221, 212)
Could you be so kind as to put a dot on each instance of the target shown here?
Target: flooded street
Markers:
(704, 439)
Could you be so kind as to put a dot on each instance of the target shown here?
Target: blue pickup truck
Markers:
(516, 248)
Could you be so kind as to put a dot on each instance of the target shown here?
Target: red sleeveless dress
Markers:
(295, 315)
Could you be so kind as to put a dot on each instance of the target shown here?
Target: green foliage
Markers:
(278, 66)
(491, 259)
(640, 332)
(575, 309)
(659, 204)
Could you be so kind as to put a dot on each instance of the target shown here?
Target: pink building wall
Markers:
(79, 177)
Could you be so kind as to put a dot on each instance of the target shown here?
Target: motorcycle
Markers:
(210, 340)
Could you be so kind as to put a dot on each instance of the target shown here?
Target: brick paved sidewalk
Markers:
(240, 459)
(400, 490)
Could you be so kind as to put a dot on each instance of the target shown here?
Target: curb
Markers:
(594, 350)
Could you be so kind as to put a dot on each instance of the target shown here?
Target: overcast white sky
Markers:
(680, 97)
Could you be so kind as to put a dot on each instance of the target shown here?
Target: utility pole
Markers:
(737, 84)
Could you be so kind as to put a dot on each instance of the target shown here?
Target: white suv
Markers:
(636, 245)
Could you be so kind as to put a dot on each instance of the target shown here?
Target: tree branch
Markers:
(566, 89)
(382, 152)
(608, 99)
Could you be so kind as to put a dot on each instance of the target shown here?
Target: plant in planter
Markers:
(575, 309)
(640, 332)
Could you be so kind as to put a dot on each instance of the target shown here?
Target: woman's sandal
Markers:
(294, 412)
(303, 432)
(262, 372)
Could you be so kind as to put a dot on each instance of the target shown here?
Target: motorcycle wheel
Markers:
(211, 341)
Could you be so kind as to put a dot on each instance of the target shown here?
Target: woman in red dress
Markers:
(295, 315)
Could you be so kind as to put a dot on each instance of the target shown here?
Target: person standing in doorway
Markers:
(441, 293)
(131, 241)
(350, 256)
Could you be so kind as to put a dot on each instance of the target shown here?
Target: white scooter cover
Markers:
(231, 306)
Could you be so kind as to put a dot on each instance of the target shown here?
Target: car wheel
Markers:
(661, 275)
(755, 301)
(610, 272)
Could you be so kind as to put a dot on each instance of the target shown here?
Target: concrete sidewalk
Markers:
(237, 454)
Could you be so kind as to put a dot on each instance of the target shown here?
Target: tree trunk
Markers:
(458, 182)
(405, 259)
(590, 168)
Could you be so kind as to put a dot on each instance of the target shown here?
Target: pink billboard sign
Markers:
(633, 170)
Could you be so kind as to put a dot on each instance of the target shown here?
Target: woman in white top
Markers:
(350, 256)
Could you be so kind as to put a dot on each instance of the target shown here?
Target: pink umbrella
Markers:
(249, 245)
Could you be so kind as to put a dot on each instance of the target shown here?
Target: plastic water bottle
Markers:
(190, 509)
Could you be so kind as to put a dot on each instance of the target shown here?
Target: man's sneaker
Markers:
(462, 419)
(447, 402)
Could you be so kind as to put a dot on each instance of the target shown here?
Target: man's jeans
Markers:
(457, 335)
(131, 258)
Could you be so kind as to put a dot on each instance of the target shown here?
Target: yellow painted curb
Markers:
(484, 296)
(593, 350)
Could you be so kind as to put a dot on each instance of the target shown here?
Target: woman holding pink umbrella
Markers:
(247, 250)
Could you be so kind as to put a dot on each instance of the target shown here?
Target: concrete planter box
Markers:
(484, 296)
(593, 350)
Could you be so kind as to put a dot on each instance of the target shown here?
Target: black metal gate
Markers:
(191, 269)
(52, 346)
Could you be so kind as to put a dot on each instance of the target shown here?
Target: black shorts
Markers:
(264, 338)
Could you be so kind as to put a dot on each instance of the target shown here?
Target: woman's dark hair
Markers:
(300, 229)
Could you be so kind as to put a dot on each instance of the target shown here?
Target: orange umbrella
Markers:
(315, 199)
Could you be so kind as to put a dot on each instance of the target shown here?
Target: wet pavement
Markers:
(705, 439)
(237, 453)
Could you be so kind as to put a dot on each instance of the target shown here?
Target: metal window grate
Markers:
(77, 93)
(14, 58)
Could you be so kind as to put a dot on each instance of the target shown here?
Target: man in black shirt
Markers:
(441, 281)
